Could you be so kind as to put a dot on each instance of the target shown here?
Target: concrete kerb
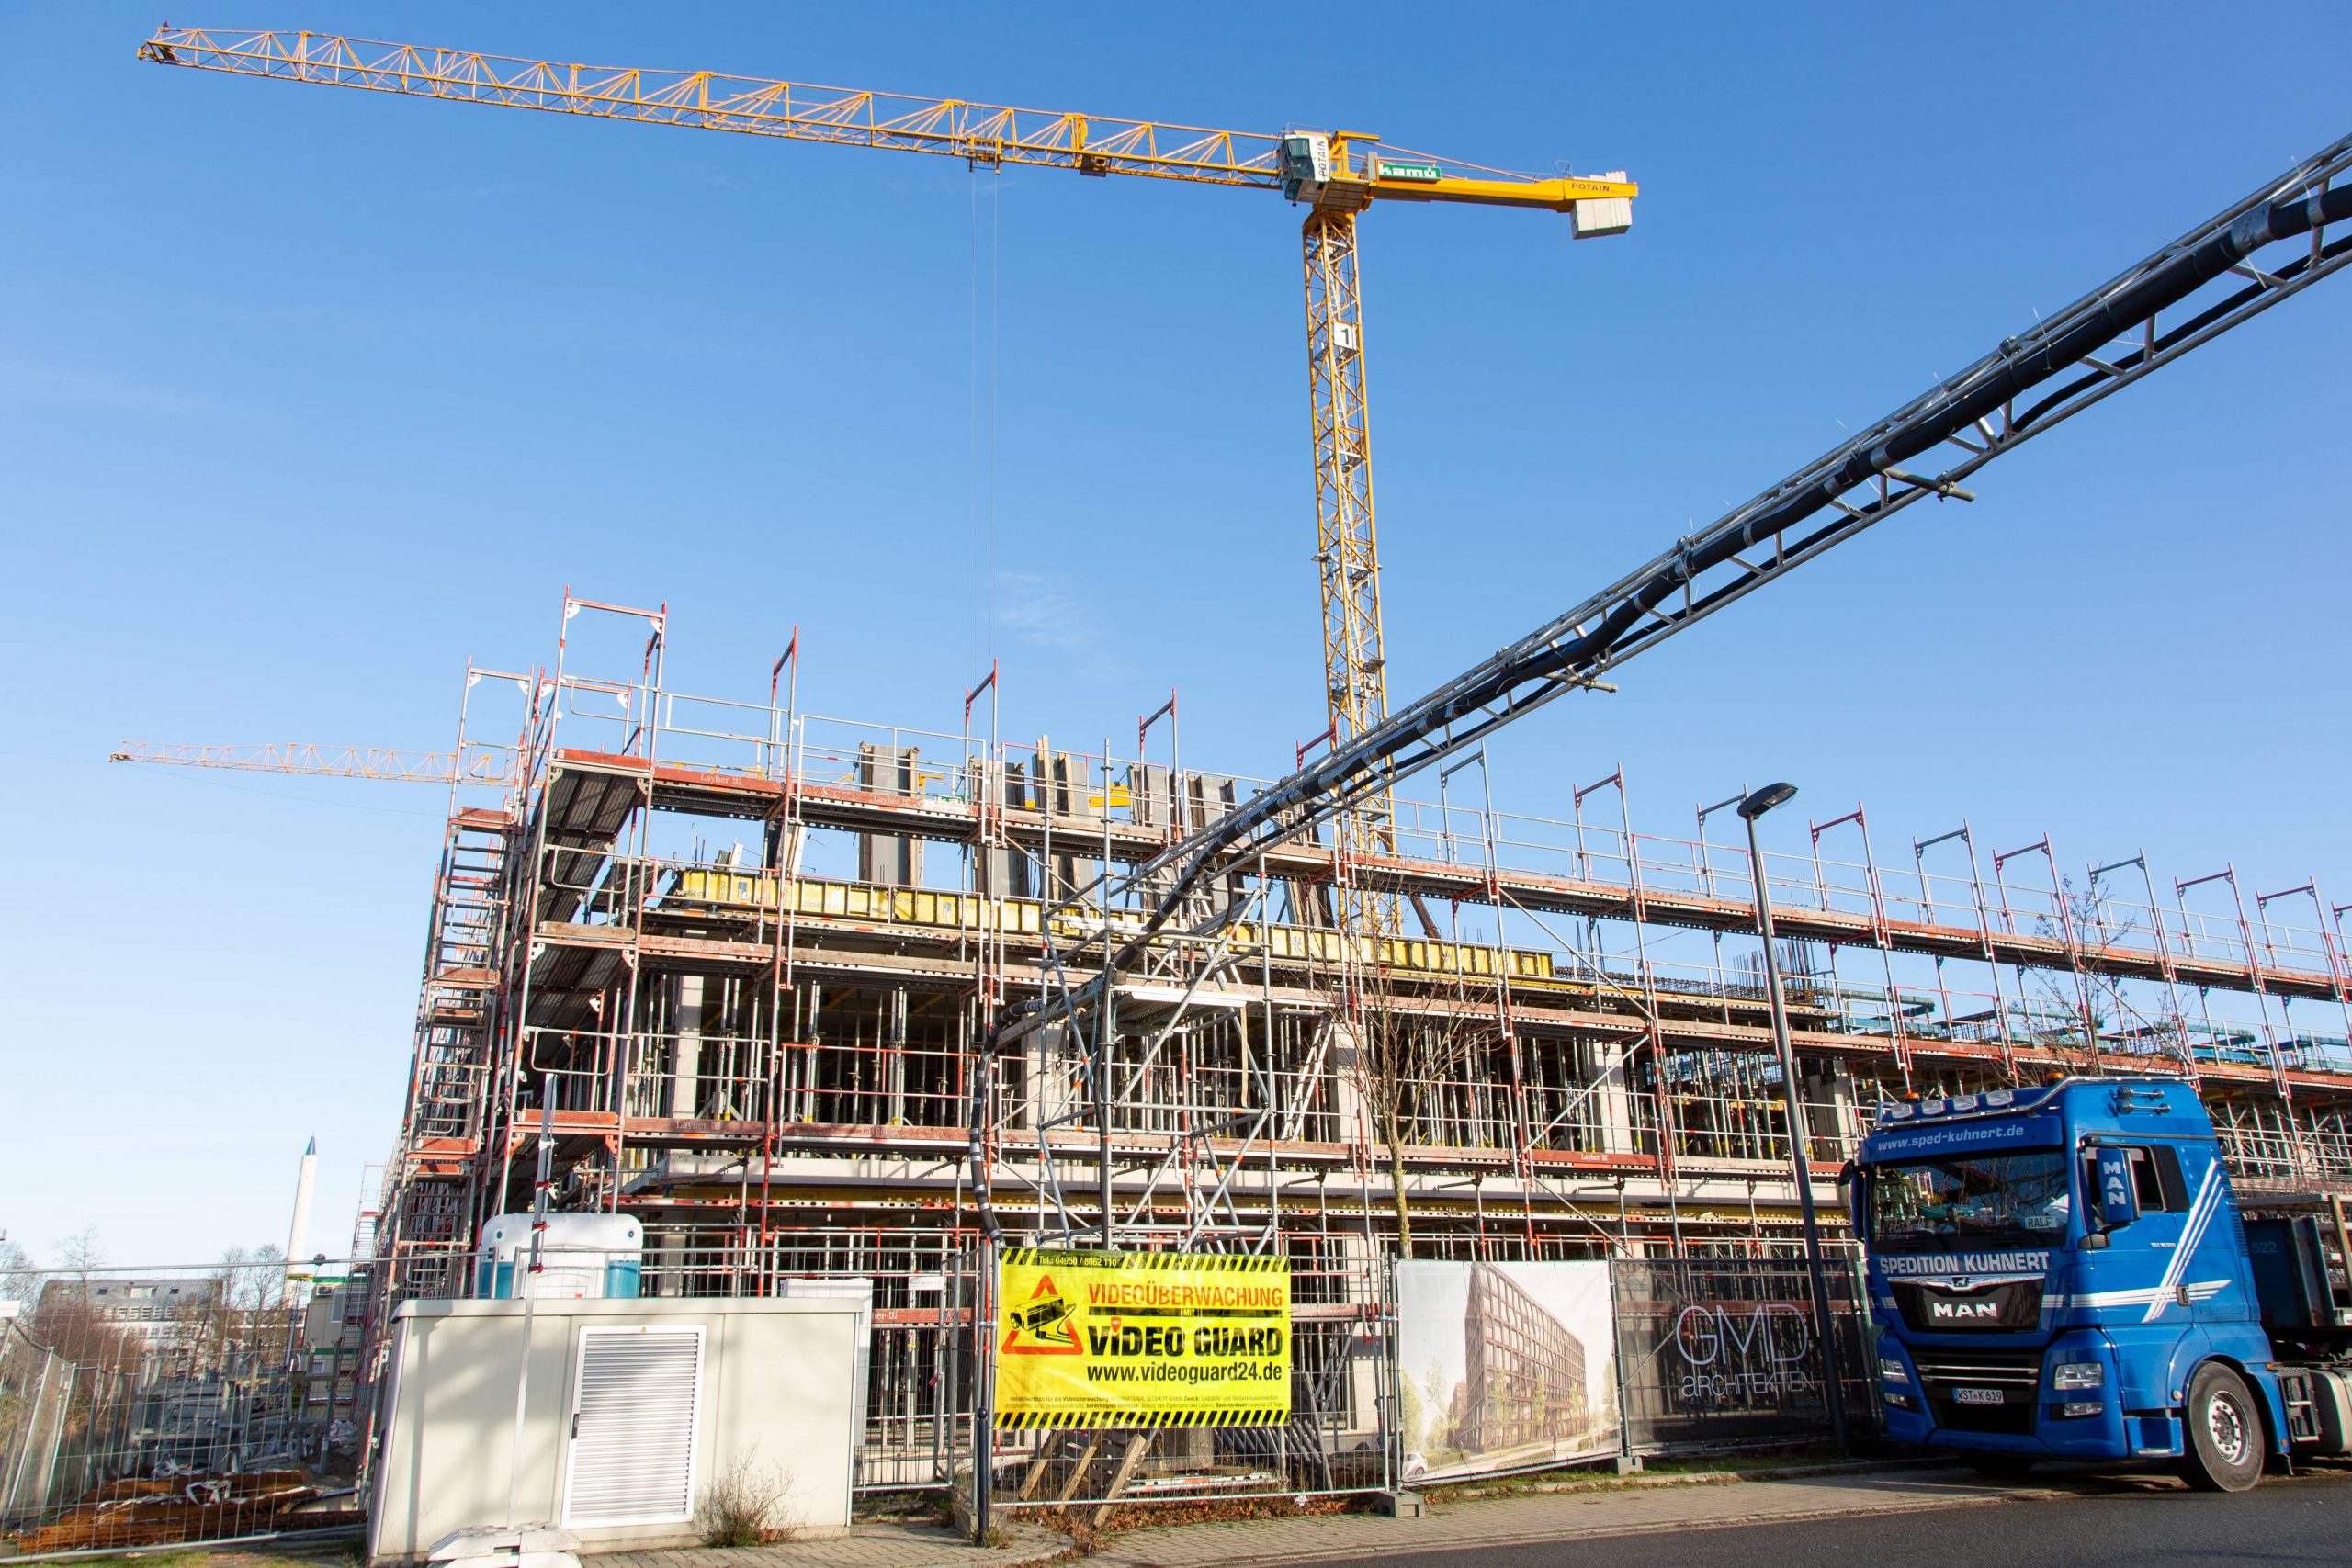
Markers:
(1598, 1481)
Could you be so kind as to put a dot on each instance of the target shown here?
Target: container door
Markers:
(635, 1406)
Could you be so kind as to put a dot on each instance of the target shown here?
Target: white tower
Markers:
(298, 1235)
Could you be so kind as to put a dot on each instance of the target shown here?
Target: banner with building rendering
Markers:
(1098, 1339)
(1503, 1366)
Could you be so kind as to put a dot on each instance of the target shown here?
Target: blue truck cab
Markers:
(2063, 1272)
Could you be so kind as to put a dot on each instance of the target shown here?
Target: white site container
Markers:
(580, 1256)
(635, 1407)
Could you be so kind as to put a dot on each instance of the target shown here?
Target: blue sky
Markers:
(307, 396)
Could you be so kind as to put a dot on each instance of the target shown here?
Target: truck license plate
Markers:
(1976, 1395)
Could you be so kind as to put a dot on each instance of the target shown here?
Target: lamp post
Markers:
(1756, 806)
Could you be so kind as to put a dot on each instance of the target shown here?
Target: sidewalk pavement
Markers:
(1656, 1504)
(873, 1543)
(1544, 1516)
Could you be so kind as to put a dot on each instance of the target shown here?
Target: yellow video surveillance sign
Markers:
(1089, 1340)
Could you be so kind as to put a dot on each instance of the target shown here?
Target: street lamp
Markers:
(1754, 805)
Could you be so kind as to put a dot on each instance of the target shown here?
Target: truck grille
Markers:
(2014, 1375)
(1942, 1309)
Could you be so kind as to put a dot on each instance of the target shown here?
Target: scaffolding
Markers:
(778, 977)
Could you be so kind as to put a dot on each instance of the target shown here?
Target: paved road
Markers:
(2102, 1520)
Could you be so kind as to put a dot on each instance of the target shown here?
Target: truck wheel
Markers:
(2225, 1448)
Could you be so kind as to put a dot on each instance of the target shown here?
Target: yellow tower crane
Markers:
(1335, 174)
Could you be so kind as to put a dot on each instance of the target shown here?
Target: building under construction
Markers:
(808, 997)
(771, 980)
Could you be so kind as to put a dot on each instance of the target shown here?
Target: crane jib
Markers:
(1315, 168)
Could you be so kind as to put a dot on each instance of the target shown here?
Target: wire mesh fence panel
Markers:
(1720, 1352)
(923, 1288)
(1340, 1331)
(145, 1407)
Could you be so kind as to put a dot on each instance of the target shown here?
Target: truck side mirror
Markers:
(1850, 1188)
(2118, 1194)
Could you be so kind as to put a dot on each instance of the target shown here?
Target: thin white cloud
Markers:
(523, 331)
(50, 386)
(1044, 610)
(1047, 610)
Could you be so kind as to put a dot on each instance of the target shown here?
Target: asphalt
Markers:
(2089, 1521)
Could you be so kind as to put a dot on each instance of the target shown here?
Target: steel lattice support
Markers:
(1347, 546)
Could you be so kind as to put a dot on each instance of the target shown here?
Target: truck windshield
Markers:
(1969, 1201)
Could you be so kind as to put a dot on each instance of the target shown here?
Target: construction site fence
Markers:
(1719, 1353)
(1342, 1334)
(157, 1406)
(1710, 1354)
(932, 1346)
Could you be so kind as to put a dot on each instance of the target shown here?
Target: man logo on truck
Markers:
(1964, 1312)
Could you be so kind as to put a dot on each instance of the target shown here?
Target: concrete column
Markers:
(668, 1262)
(1066, 784)
(1208, 798)
(1831, 1106)
(1365, 1352)
(1152, 805)
(685, 1061)
(894, 1039)
(1614, 1098)
(888, 859)
(1347, 1088)
(1006, 873)
(1051, 1071)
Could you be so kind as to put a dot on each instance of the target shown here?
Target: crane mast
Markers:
(1347, 544)
(1336, 176)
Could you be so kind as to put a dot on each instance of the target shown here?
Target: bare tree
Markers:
(2096, 999)
(19, 1275)
(67, 1319)
(239, 1311)
(81, 1254)
(1396, 1050)
(78, 1329)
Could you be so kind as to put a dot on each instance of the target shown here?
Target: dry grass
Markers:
(745, 1507)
